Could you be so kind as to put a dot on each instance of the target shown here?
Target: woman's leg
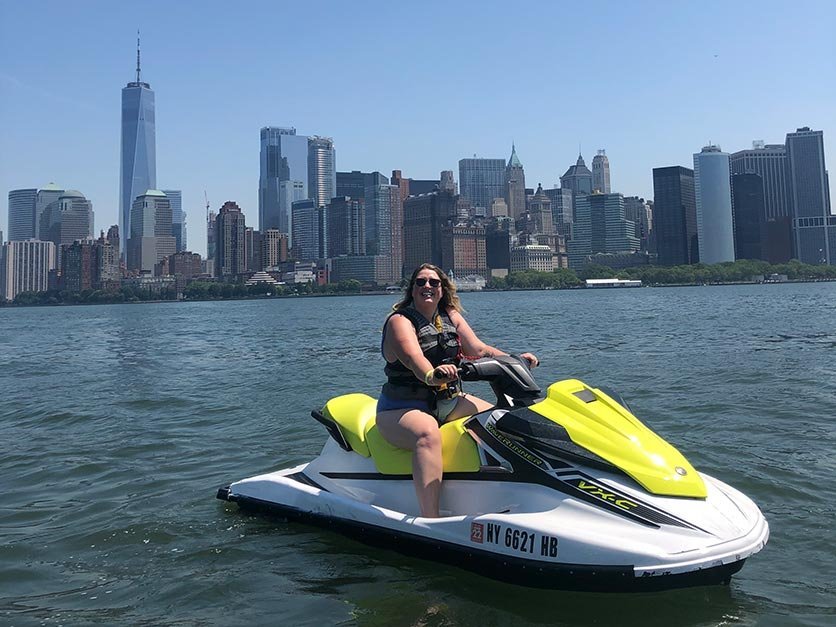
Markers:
(417, 431)
(467, 405)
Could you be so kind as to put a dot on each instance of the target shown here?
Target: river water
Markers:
(120, 422)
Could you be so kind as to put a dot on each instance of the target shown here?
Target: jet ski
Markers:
(568, 491)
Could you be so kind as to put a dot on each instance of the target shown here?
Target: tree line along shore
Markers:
(743, 271)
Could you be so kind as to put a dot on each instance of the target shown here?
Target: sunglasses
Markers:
(421, 282)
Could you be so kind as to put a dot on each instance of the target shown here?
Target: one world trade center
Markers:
(139, 152)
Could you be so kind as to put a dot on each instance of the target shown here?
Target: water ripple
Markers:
(120, 422)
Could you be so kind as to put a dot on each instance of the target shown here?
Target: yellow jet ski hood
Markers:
(599, 424)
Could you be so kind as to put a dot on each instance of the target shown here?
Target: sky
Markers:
(408, 86)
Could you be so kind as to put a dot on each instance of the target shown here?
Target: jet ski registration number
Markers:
(516, 539)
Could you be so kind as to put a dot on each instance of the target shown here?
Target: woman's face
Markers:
(430, 291)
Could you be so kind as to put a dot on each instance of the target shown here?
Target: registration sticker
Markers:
(477, 532)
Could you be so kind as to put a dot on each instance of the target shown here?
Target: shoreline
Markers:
(395, 294)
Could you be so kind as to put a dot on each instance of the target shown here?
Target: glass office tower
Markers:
(139, 151)
(178, 218)
(675, 216)
(22, 214)
(322, 170)
(481, 180)
(814, 228)
(283, 157)
(712, 185)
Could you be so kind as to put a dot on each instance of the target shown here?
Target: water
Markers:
(120, 422)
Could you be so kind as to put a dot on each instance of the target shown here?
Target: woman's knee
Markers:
(428, 437)
(424, 429)
(409, 430)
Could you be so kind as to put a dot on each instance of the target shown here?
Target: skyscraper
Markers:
(79, 268)
(749, 216)
(814, 228)
(107, 259)
(112, 238)
(178, 218)
(66, 220)
(354, 183)
(562, 210)
(540, 209)
(283, 157)
(22, 214)
(230, 241)
(712, 187)
(289, 193)
(46, 196)
(675, 216)
(601, 226)
(307, 226)
(481, 180)
(447, 183)
(346, 227)
(424, 217)
(514, 185)
(401, 183)
(378, 219)
(463, 250)
(498, 244)
(139, 148)
(211, 240)
(577, 178)
(254, 244)
(384, 227)
(274, 248)
(25, 266)
(150, 239)
(639, 212)
(601, 172)
(769, 161)
(322, 170)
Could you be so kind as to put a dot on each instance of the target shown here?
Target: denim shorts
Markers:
(443, 406)
(384, 403)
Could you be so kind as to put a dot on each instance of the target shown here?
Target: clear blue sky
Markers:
(410, 86)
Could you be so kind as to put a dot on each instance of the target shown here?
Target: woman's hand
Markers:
(443, 374)
(532, 360)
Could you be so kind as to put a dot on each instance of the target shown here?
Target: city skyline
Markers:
(209, 113)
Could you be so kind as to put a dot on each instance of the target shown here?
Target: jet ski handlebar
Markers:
(508, 375)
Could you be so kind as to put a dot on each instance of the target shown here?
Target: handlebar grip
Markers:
(439, 374)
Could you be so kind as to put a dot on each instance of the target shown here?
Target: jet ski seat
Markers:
(351, 414)
(350, 419)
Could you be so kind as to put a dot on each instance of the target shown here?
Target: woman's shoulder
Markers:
(402, 315)
(453, 314)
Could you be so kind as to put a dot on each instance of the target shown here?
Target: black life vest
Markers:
(438, 346)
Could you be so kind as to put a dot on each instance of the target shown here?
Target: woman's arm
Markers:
(472, 346)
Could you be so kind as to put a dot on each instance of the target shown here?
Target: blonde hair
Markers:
(449, 298)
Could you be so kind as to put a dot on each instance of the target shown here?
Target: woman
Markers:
(423, 341)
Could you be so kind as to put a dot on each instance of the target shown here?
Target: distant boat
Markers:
(613, 283)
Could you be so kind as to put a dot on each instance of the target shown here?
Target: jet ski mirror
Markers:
(509, 378)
